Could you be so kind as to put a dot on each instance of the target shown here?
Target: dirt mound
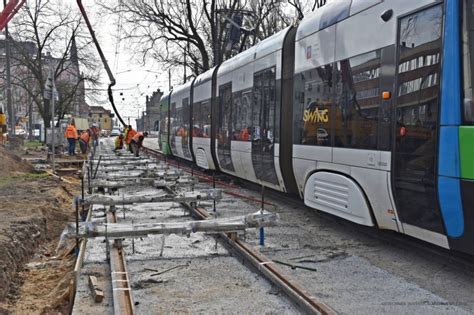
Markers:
(34, 209)
(11, 163)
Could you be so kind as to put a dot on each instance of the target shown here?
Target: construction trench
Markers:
(156, 240)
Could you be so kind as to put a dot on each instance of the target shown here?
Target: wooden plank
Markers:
(97, 292)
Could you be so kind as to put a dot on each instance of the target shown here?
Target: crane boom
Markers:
(9, 11)
(104, 61)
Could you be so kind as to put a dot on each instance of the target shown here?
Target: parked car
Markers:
(21, 132)
(115, 133)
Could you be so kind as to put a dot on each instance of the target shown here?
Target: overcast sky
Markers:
(133, 80)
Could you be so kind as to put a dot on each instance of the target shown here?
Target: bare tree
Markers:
(193, 32)
(47, 38)
(303, 7)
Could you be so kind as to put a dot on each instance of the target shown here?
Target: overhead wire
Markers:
(118, 37)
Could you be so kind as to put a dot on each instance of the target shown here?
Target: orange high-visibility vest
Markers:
(137, 136)
(71, 132)
(85, 137)
(130, 134)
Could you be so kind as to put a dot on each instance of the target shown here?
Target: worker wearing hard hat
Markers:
(137, 142)
(71, 136)
(119, 143)
(95, 135)
(84, 140)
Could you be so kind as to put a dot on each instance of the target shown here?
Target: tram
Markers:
(364, 110)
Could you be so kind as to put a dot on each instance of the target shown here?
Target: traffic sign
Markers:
(50, 90)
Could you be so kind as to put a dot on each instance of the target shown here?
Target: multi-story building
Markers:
(151, 120)
(70, 83)
(102, 117)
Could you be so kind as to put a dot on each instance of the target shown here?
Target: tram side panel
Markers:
(234, 132)
(340, 115)
(249, 109)
(267, 112)
(180, 120)
(164, 124)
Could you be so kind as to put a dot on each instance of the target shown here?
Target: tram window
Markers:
(174, 118)
(468, 60)
(186, 112)
(246, 116)
(225, 114)
(173, 125)
(236, 116)
(314, 100)
(163, 120)
(358, 101)
(196, 120)
(418, 70)
(205, 119)
(264, 108)
(178, 122)
(201, 118)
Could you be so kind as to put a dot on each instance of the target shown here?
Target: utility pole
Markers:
(51, 94)
(185, 64)
(11, 113)
(30, 114)
(169, 79)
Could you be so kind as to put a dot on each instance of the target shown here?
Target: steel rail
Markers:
(208, 179)
(462, 260)
(309, 303)
(195, 172)
(295, 291)
(121, 289)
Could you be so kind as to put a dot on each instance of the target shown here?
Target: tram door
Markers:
(263, 125)
(224, 128)
(417, 98)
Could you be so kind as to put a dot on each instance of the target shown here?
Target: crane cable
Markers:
(104, 61)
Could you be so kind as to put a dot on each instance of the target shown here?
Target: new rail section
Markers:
(122, 291)
(364, 110)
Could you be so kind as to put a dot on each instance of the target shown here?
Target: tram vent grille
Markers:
(331, 194)
(201, 159)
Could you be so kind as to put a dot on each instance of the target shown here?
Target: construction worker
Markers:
(71, 135)
(119, 143)
(127, 128)
(3, 126)
(129, 136)
(95, 135)
(84, 141)
(137, 142)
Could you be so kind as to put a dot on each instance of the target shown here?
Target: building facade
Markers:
(102, 117)
(151, 119)
(25, 86)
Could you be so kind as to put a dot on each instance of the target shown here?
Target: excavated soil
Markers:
(34, 208)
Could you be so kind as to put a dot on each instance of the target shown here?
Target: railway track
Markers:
(302, 288)
(392, 238)
(122, 289)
